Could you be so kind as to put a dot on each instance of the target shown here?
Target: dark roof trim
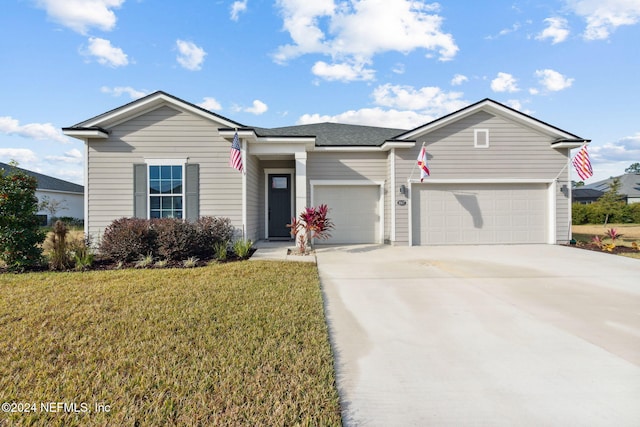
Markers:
(485, 100)
(151, 95)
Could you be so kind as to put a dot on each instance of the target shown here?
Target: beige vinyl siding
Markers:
(163, 133)
(515, 152)
(253, 198)
(347, 165)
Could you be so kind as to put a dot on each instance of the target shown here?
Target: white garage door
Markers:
(354, 210)
(479, 213)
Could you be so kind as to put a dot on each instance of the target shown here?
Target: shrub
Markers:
(312, 223)
(59, 256)
(20, 234)
(209, 232)
(144, 261)
(126, 239)
(175, 239)
(190, 262)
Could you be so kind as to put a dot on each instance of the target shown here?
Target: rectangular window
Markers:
(166, 191)
(481, 138)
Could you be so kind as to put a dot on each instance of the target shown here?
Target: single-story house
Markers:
(629, 186)
(497, 175)
(585, 196)
(68, 197)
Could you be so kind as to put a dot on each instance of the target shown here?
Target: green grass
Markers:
(241, 343)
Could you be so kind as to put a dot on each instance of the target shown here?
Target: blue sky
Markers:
(395, 63)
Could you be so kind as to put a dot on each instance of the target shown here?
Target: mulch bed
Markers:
(615, 251)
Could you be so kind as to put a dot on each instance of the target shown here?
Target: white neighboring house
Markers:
(70, 195)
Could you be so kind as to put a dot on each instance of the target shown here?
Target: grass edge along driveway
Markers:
(241, 343)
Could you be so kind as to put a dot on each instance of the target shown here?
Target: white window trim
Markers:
(475, 138)
(167, 162)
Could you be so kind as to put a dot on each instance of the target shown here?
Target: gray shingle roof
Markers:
(336, 134)
(46, 182)
(629, 184)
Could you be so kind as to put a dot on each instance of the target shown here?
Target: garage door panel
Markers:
(479, 213)
(354, 210)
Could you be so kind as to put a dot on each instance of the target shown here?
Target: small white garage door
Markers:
(451, 214)
(354, 210)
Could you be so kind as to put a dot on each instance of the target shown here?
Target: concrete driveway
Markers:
(531, 335)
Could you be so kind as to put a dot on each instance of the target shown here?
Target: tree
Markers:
(633, 168)
(51, 205)
(576, 184)
(611, 201)
(20, 234)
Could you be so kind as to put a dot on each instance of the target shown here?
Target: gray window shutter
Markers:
(140, 190)
(192, 191)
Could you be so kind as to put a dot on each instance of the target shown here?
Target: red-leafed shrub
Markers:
(212, 231)
(175, 239)
(126, 239)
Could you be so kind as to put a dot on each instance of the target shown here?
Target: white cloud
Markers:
(73, 156)
(428, 100)
(604, 16)
(105, 53)
(557, 30)
(371, 117)
(237, 8)
(553, 81)
(120, 90)
(515, 27)
(342, 72)
(403, 107)
(626, 149)
(505, 82)
(399, 68)
(190, 56)
(210, 104)
(80, 15)
(353, 32)
(257, 108)
(533, 91)
(20, 155)
(458, 79)
(39, 131)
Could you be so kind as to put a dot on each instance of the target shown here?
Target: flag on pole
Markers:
(235, 157)
(422, 164)
(582, 163)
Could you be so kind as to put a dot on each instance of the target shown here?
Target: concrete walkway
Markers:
(278, 251)
(484, 335)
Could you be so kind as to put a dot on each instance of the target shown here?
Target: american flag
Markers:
(422, 164)
(582, 163)
(235, 157)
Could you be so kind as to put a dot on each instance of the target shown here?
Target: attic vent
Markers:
(481, 138)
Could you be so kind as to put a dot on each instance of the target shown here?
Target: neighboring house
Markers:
(70, 196)
(497, 175)
(629, 186)
(584, 195)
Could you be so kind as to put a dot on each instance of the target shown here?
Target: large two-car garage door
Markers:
(354, 209)
(479, 213)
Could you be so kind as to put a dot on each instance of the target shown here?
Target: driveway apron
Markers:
(526, 335)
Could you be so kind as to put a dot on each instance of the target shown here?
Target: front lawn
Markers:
(630, 234)
(242, 343)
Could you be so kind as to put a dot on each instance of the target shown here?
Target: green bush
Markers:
(631, 213)
(242, 248)
(598, 213)
(20, 234)
(127, 239)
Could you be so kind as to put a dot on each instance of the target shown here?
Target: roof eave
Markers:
(569, 143)
(86, 132)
